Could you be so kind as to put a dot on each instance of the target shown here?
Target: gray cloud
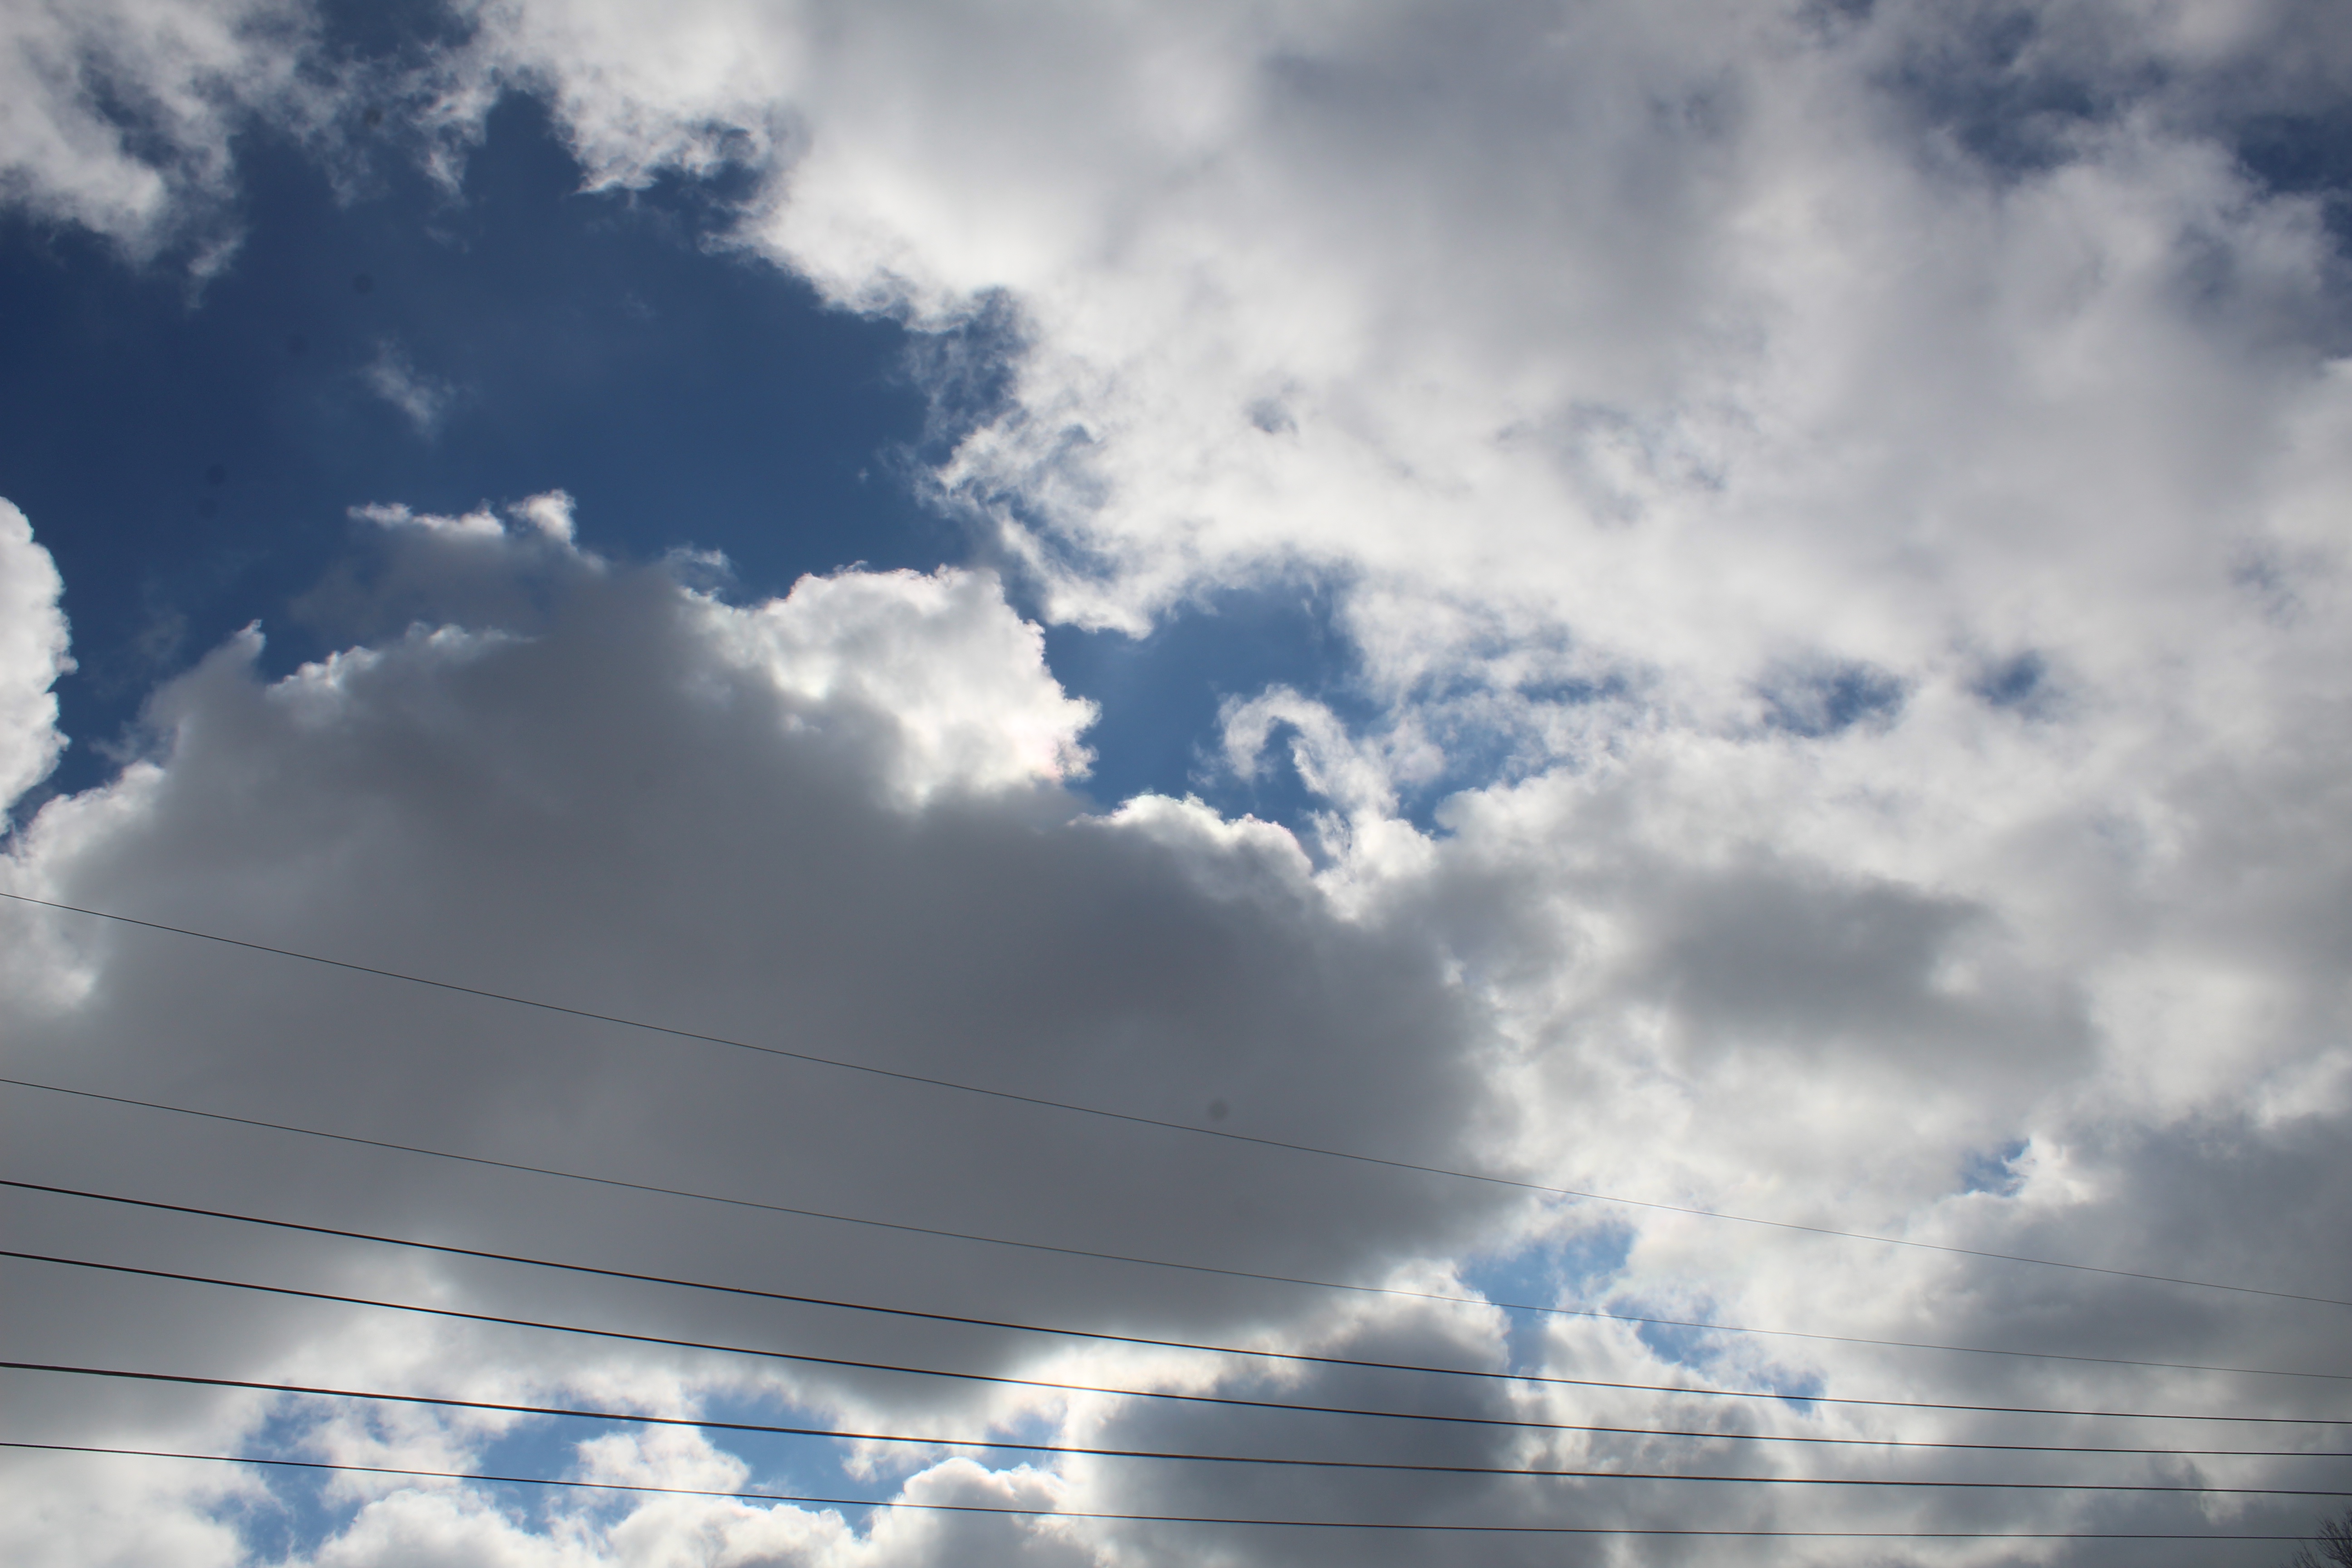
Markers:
(608, 806)
(1697, 406)
(610, 792)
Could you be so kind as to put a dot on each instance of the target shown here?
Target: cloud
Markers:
(121, 112)
(832, 823)
(1838, 512)
(32, 657)
(549, 512)
(423, 399)
(1754, 305)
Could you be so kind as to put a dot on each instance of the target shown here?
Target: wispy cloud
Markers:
(424, 399)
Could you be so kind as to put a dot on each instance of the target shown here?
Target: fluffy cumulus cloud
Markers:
(1840, 514)
(835, 825)
(32, 656)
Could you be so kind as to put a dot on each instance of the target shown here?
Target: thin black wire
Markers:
(1187, 1127)
(648, 1187)
(1105, 1336)
(1088, 1451)
(1512, 1423)
(1130, 1518)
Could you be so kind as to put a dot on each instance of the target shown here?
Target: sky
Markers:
(1091, 785)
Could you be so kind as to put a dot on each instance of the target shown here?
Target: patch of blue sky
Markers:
(2302, 150)
(1489, 744)
(813, 1476)
(1815, 703)
(1162, 695)
(1982, 90)
(390, 31)
(1488, 734)
(783, 1464)
(1993, 1170)
(1571, 1273)
(801, 1466)
(2020, 682)
(780, 1464)
(549, 1446)
(1698, 1349)
(1581, 1272)
(293, 1514)
(2018, 107)
(300, 1511)
(1716, 1354)
(190, 455)
(297, 1515)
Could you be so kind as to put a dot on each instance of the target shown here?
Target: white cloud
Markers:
(1847, 501)
(549, 512)
(32, 657)
(832, 823)
(117, 114)
(425, 400)
(1661, 348)
(964, 683)
(482, 524)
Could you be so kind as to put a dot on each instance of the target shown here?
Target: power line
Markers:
(1088, 1451)
(422, 1150)
(1108, 1337)
(1135, 1518)
(1512, 1423)
(1075, 1108)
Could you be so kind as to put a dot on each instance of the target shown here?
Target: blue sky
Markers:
(199, 445)
(1685, 658)
(687, 396)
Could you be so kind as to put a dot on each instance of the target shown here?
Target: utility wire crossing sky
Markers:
(1047, 786)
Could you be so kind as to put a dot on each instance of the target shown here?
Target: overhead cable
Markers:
(1108, 1337)
(1484, 1528)
(1231, 1401)
(1075, 1108)
(764, 1207)
(1165, 1455)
